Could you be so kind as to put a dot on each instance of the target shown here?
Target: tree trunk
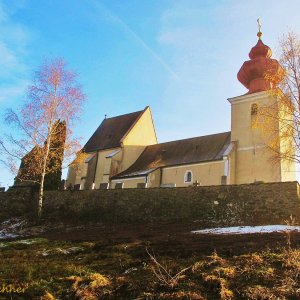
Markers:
(41, 190)
(41, 195)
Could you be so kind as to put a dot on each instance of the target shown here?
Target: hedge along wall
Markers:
(249, 204)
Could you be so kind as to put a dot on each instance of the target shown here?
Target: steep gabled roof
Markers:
(111, 131)
(187, 151)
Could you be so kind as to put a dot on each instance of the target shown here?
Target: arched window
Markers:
(254, 109)
(188, 176)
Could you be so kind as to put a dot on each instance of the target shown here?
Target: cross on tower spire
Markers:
(259, 34)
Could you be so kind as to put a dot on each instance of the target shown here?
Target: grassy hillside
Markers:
(150, 262)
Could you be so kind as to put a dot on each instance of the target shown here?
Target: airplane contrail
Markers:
(116, 19)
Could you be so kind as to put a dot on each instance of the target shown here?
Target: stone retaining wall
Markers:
(248, 204)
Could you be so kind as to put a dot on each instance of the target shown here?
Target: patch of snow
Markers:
(248, 229)
(130, 270)
(6, 222)
(5, 235)
(63, 251)
(10, 228)
(23, 242)
(66, 251)
(13, 223)
(28, 242)
(75, 249)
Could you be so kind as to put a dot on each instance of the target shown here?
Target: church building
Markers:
(124, 151)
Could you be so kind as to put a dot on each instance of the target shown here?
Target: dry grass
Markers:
(90, 287)
(125, 271)
(48, 296)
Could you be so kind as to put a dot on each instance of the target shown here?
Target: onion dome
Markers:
(261, 72)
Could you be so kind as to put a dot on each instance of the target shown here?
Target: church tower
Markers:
(254, 161)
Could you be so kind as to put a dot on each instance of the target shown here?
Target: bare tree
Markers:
(279, 121)
(44, 123)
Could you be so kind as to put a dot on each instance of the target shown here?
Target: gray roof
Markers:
(181, 152)
(111, 131)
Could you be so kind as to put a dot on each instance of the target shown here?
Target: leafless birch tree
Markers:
(44, 125)
(280, 120)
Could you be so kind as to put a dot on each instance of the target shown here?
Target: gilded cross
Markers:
(259, 24)
(259, 34)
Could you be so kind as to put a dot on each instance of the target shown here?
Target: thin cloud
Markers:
(13, 44)
(13, 91)
(134, 36)
(209, 44)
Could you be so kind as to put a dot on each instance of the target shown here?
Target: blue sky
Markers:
(180, 57)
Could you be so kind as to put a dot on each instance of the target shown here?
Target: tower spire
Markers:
(252, 74)
(259, 34)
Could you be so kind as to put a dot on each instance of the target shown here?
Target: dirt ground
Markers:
(169, 238)
(107, 261)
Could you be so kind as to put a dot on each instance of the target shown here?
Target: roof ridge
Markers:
(135, 112)
(195, 137)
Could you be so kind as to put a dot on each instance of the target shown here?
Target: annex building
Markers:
(124, 151)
